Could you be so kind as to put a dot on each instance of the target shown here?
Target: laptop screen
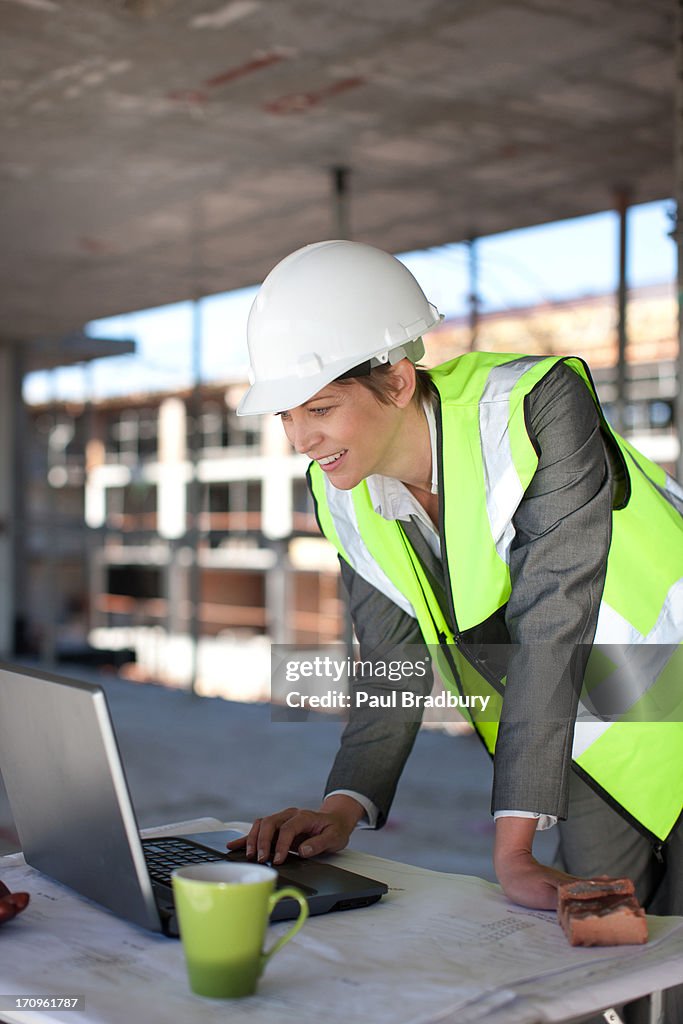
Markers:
(67, 790)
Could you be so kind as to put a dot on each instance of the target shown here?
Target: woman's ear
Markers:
(403, 383)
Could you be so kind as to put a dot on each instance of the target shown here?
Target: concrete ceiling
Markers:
(154, 149)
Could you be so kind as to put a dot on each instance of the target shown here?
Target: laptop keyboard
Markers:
(164, 855)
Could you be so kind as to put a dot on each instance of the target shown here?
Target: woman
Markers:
(474, 507)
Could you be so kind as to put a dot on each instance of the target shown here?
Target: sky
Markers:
(567, 259)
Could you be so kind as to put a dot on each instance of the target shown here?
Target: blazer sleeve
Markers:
(376, 742)
(558, 563)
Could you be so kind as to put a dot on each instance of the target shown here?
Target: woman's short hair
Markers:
(381, 384)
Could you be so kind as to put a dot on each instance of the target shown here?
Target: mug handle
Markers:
(275, 898)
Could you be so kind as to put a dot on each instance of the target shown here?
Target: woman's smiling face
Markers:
(348, 432)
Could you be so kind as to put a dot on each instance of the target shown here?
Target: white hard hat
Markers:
(324, 310)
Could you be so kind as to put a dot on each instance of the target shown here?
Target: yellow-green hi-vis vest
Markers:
(633, 758)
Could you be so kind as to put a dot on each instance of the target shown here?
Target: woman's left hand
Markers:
(522, 878)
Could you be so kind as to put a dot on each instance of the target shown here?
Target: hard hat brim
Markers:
(271, 396)
(266, 396)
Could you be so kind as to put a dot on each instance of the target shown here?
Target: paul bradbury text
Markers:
(391, 699)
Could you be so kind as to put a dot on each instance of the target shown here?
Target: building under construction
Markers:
(172, 539)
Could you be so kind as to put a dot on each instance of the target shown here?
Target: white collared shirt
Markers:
(391, 499)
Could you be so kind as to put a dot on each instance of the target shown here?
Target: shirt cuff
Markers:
(544, 821)
(369, 819)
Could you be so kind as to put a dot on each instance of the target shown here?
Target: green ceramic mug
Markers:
(223, 912)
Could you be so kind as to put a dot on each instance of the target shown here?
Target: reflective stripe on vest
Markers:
(342, 509)
(504, 489)
(639, 660)
(673, 492)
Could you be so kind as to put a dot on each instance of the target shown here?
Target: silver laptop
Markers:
(67, 790)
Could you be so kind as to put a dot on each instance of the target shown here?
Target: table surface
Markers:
(438, 947)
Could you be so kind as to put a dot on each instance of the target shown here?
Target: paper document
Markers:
(438, 947)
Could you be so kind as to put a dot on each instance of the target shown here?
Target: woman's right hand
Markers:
(309, 832)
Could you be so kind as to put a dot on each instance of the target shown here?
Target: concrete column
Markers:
(171, 494)
(9, 399)
(23, 612)
(95, 456)
(276, 524)
(276, 497)
(278, 595)
(176, 584)
(172, 508)
(622, 197)
(195, 442)
(97, 584)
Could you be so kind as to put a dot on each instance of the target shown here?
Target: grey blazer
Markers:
(557, 565)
